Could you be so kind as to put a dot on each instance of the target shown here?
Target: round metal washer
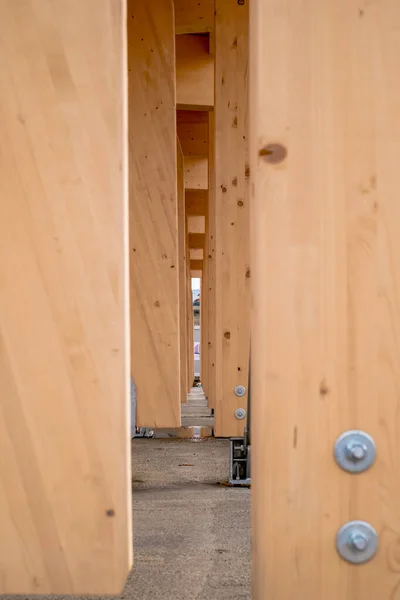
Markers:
(240, 391)
(240, 413)
(355, 451)
(357, 542)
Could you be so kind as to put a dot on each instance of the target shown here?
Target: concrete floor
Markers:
(191, 535)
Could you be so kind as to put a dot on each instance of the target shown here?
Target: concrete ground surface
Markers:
(191, 535)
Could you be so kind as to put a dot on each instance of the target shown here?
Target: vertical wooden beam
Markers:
(232, 212)
(204, 316)
(65, 514)
(190, 324)
(326, 262)
(182, 260)
(210, 259)
(154, 214)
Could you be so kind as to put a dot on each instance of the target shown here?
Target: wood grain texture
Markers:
(210, 258)
(196, 224)
(182, 260)
(192, 126)
(196, 202)
(196, 172)
(190, 322)
(194, 73)
(194, 16)
(65, 509)
(153, 214)
(232, 246)
(326, 263)
(203, 266)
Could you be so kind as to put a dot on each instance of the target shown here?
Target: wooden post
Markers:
(65, 510)
(210, 260)
(232, 275)
(154, 214)
(325, 142)
(182, 260)
(204, 323)
(190, 324)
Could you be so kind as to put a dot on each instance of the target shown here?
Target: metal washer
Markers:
(240, 413)
(240, 391)
(358, 440)
(346, 547)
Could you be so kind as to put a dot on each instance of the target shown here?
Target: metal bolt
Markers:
(240, 391)
(240, 413)
(357, 451)
(358, 541)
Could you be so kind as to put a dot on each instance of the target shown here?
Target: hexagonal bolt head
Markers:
(358, 541)
(356, 451)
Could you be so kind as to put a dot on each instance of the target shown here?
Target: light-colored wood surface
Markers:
(65, 509)
(196, 224)
(326, 265)
(153, 214)
(196, 202)
(182, 259)
(190, 323)
(196, 172)
(232, 172)
(196, 273)
(210, 268)
(196, 254)
(194, 16)
(194, 73)
(192, 128)
(204, 312)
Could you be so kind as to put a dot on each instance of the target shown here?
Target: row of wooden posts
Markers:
(189, 205)
(123, 154)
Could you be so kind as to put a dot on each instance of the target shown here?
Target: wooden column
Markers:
(325, 99)
(65, 484)
(204, 326)
(204, 301)
(190, 324)
(232, 275)
(182, 261)
(153, 213)
(210, 260)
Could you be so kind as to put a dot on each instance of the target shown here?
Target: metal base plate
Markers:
(239, 463)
